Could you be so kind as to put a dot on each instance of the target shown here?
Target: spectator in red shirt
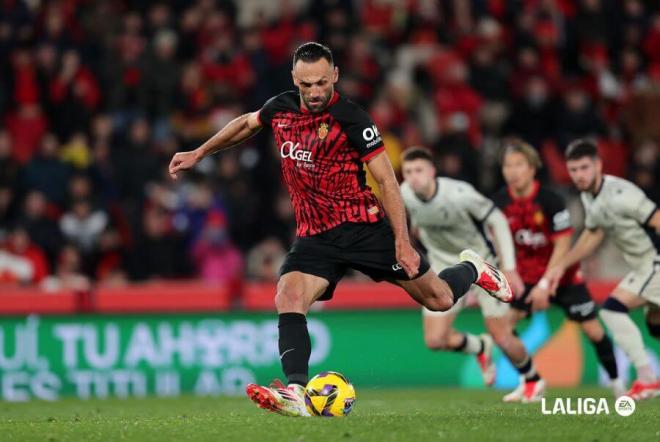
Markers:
(27, 125)
(34, 266)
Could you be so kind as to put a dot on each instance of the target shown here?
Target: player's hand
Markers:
(182, 161)
(515, 281)
(539, 298)
(408, 258)
(553, 277)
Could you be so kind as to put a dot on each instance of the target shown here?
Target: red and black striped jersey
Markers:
(322, 157)
(535, 221)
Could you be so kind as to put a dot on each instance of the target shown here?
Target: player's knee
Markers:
(438, 303)
(593, 330)
(501, 338)
(289, 298)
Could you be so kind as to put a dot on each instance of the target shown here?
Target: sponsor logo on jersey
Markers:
(323, 131)
(371, 136)
(529, 238)
(294, 152)
(396, 267)
(561, 220)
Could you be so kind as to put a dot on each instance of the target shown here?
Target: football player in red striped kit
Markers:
(324, 139)
(542, 232)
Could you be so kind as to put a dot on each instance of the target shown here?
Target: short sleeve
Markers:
(555, 210)
(266, 113)
(634, 203)
(286, 101)
(359, 128)
(476, 204)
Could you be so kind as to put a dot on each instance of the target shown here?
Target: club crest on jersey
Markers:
(539, 218)
(323, 131)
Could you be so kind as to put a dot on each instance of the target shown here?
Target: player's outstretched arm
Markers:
(381, 169)
(499, 226)
(235, 132)
(585, 246)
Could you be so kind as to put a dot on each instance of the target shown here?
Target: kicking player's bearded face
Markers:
(585, 173)
(315, 81)
(419, 174)
(517, 171)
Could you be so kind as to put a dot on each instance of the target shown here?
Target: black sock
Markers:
(462, 345)
(527, 370)
(459, 277)
(295, 347)
(605, 353)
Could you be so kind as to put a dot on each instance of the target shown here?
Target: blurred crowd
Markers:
(96, 95)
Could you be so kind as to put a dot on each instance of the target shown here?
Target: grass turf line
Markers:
(379, 415)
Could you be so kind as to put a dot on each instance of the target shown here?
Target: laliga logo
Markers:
(293, 151)
(624, 406)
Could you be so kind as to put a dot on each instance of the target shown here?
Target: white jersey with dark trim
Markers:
(622, 210)
(451, 221)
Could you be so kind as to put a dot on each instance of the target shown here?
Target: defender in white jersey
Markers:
(449, 216)
(619, 209)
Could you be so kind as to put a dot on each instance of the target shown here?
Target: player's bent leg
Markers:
(430, 291)
(605, 352)
(625, 333)
(488, 277)
(438, 330)
(296, 291)
(532, 386)
(514, 316)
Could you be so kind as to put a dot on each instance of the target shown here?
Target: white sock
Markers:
(628, 337)
(473, 344)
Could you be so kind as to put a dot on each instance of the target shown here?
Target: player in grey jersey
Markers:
(448, 216)
(618, 209)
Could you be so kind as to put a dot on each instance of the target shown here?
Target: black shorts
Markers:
(366, 247)
(574, 299)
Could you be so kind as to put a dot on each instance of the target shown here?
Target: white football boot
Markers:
(489, 277)
(279, 398)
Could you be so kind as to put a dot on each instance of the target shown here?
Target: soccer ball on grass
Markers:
(329, 394)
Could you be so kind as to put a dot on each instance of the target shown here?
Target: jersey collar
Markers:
(602, 183)
(435, 193)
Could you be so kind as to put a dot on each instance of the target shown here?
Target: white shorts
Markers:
(490, 307)
(644, 282)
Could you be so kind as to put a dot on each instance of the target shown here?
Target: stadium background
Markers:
(95, 97)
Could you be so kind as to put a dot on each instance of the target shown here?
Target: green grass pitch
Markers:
(379, 415)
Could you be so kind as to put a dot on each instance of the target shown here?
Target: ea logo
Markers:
(370, 133)
(624, 406)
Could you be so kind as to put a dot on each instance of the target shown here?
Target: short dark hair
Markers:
(580, 148)
(417, 153)
(312, 51)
